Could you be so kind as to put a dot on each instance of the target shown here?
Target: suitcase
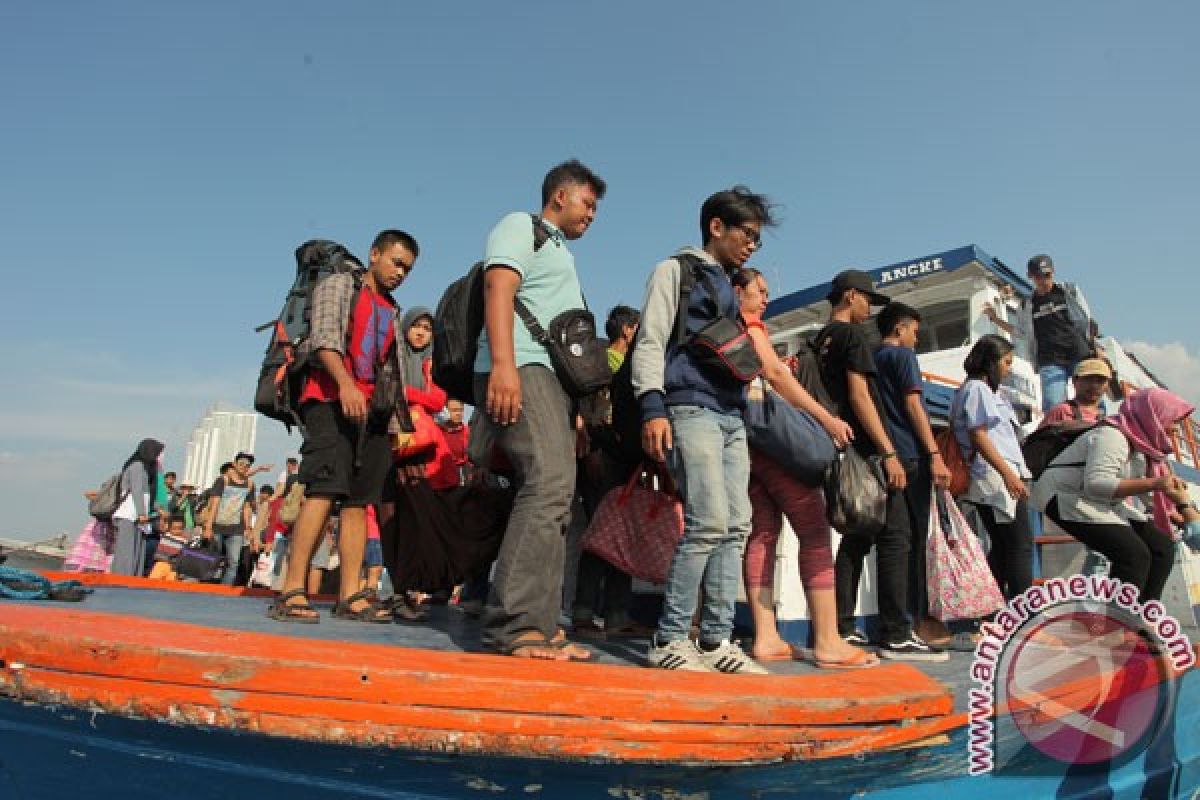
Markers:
(200, 560)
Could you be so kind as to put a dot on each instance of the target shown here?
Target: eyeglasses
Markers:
(750, 233)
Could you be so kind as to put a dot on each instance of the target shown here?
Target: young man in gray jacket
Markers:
(692, 420)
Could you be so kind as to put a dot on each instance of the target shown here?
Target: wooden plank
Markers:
(77, 641)
(462, 732)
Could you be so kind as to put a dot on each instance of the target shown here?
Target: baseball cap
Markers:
(1092, 366)
(1040, 265)
(859, 280)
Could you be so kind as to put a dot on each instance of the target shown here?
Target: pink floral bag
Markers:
(960, 582)
(637, 527)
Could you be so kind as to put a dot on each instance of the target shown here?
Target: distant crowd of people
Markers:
(560, 455)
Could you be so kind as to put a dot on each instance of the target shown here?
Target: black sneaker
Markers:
(857, 638)
(912, 649)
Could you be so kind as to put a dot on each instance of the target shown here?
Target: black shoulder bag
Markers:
(723, 347)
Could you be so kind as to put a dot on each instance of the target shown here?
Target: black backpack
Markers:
(458, 322)
(1044, 445)
(808, 371)
(626, 411)
(283, 371)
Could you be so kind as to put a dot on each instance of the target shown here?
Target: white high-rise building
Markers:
(222, 434)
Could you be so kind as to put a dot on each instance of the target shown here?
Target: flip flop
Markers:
(861, 660)
(572, 651)
(797, 654)
(524, 645)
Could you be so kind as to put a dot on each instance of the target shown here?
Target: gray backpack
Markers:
(108, 499)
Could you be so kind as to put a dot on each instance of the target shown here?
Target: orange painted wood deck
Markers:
(429, 700)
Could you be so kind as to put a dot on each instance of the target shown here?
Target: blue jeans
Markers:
(711, 466)
(1054, 385)
(233, 544)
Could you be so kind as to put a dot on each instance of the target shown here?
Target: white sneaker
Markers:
(680, 654)
(730, 658)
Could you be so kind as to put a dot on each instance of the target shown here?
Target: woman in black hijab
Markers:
(139, 478)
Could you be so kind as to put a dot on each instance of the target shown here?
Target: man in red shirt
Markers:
(346, 454)
(456, 434)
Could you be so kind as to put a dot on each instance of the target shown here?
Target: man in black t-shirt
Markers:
(230, 505)
(848, 371)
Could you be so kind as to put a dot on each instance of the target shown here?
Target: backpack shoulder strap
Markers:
(541, 233)
(688, 269)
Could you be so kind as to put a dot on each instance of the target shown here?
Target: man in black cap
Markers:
(1058, 325)
(848, 371)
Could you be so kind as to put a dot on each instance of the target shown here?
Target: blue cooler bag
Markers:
(789, 436)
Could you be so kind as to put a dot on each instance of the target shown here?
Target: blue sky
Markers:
(161, 161)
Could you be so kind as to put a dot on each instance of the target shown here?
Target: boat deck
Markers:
(445, 629)
(401, 698)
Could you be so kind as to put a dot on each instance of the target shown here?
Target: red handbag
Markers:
(637, 527)
(422, 439)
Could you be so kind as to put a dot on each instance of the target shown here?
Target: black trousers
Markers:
(1011, 553)
(1140, 554)
(599, 586)
(907, 512)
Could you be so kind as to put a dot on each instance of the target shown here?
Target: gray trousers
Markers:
(129, 550)
(527, 586)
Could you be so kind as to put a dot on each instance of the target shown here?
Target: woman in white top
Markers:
(985, 426)
(139, 478)
(1087, 487)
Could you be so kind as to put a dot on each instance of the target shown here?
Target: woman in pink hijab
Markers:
(1087, 488)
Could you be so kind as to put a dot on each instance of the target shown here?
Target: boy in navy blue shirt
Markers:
(900, 384)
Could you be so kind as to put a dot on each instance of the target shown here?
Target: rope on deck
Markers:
(22, 584)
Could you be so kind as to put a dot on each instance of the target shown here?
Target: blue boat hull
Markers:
(52, 753)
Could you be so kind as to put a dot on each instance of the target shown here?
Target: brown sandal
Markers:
(281, 611)
(368, 613)
(403, 609)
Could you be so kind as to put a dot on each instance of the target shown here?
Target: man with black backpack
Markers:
(346, 402)
(691, 407)
(850, 374)
(529, 414)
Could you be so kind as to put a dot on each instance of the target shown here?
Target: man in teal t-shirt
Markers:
(528, 414)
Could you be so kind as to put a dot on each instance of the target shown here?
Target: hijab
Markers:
(414, 359)
(1146, 417)
(147, 452)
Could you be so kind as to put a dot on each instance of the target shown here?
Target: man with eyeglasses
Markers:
(346, 455)
(692, 421)
(230, 507)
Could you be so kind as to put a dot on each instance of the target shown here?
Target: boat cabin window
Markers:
(944, 326)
